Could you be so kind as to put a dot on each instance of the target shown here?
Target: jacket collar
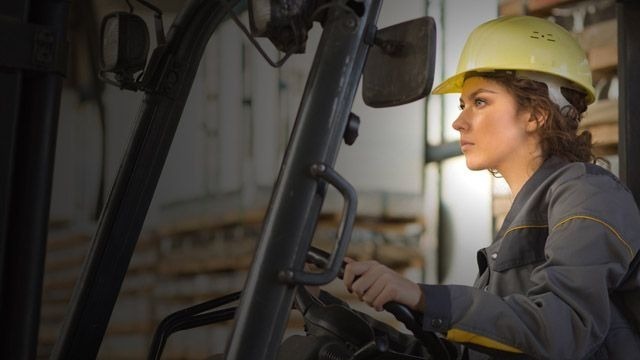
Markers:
(548, 167)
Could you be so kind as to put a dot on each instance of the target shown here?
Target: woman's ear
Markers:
(537, 119)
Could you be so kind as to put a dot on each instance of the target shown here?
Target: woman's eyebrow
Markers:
(478, 91)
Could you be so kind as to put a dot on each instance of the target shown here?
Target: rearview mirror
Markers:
(400, 66)
(125, 44)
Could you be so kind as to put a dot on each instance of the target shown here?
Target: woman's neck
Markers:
(516, 176)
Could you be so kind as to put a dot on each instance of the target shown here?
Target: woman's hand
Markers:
(376, 285)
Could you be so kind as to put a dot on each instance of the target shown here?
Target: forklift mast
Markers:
(30, 88)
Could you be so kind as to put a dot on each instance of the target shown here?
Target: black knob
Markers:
(351, 132)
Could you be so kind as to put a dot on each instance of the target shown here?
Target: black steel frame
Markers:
(29, 104)
(628, 13)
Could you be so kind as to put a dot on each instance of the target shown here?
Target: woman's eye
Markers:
(479, 102)
(461, 107)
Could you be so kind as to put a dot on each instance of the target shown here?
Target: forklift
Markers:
(396, 65)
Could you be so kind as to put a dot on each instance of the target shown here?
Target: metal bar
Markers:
(442, 152)
(175, 66)
(297, 198)
(628, 13)
(30, 194)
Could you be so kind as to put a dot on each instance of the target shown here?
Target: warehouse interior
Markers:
(420, 210)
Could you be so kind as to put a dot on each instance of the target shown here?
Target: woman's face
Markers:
(493, 134)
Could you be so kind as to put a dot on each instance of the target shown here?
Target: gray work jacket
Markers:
(555, 283)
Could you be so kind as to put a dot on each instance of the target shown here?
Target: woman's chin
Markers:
(474, 165)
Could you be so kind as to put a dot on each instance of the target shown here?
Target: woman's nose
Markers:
(459, 124)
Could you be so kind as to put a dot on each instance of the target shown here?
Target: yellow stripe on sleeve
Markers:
(617, 234)
(461, 336)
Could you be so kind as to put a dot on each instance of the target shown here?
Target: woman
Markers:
(559, 281)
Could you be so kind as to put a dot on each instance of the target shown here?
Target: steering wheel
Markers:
(305, 302)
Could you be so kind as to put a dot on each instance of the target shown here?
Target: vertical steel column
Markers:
(266, 301)
(10, 88)
(36, 134)
(628, 13)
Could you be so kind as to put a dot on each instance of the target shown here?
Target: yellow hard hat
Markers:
(522, 43)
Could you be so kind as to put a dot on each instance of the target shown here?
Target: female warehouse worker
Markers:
(558, 281)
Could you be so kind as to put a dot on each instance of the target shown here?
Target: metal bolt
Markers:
(351, 23)
(317, 169)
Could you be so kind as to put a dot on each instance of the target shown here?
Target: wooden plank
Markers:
(604, 134)
(606, 151)
(603, 57)
(70, 237)
(132, 314)
(48, 333)
(604, 33)
(60, 259)
(53, 312)
(543, 7)
(67, 238)
(133, 328)
(185, 264)
(399, 227)
(398, 257)
(125, 345)
(139, 283)
(65, 279)
(390, 220)
(601, 112)
(252, 217)
(199, 343)
(57, 296)
(143, 260)
(70, 252)
(200, 286)
(512, 7)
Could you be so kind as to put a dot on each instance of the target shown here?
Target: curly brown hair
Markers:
(559, 131)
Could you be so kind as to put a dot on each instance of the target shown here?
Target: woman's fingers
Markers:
(374, 295)
(362, 284)
(348, 275)
(354, 270)
(376, 284)
(388, 293)
(360, 278)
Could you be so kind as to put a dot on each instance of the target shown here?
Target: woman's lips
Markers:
(464, 145)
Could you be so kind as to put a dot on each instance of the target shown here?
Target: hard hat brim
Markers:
(454, 84)
(450, 85)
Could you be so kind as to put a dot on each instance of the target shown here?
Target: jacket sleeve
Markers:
(566, 314)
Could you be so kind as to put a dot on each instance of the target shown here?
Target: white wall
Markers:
(464, 205)
(388, 155)
(238, 119)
